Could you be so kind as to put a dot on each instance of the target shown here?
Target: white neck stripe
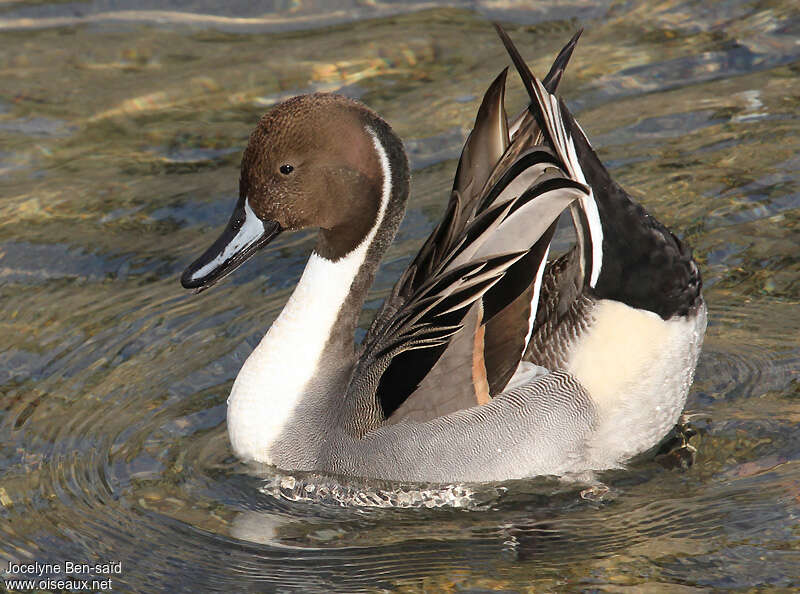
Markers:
(386, 190)
(277, 373)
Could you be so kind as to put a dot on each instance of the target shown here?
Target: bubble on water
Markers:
(325, 490)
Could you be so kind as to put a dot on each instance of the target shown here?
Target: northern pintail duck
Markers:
(486, 361)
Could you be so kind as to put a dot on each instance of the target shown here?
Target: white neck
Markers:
(276, 374)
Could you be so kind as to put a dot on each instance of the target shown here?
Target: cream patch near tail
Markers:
(620, 348)
(637, 368)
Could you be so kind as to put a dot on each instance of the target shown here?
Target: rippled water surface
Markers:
(121, 129)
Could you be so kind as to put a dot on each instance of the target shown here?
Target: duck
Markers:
(488, 360)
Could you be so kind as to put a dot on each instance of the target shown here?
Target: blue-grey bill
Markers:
(244, 235)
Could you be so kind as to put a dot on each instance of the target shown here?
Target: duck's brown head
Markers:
(313, 161)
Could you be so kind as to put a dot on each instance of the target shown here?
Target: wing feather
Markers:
(482, 258)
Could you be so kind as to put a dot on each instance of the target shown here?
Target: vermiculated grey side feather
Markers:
(541, 428)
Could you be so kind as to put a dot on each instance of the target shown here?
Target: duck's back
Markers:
(617, 322)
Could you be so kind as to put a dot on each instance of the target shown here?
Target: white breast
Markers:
(272, 379)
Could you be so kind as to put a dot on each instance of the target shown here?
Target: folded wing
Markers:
(458, 321)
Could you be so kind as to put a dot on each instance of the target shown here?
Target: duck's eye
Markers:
(286, 169)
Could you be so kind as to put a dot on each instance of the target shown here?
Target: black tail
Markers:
(553, 77)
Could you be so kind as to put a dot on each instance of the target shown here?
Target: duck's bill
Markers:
(243, 237)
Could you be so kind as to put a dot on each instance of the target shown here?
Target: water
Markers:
(121, 127)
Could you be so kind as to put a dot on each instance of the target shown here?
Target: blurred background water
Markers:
(121, 129)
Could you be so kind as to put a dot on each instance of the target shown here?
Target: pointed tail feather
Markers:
(519, 63)
(548, 112)
(553, 77)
